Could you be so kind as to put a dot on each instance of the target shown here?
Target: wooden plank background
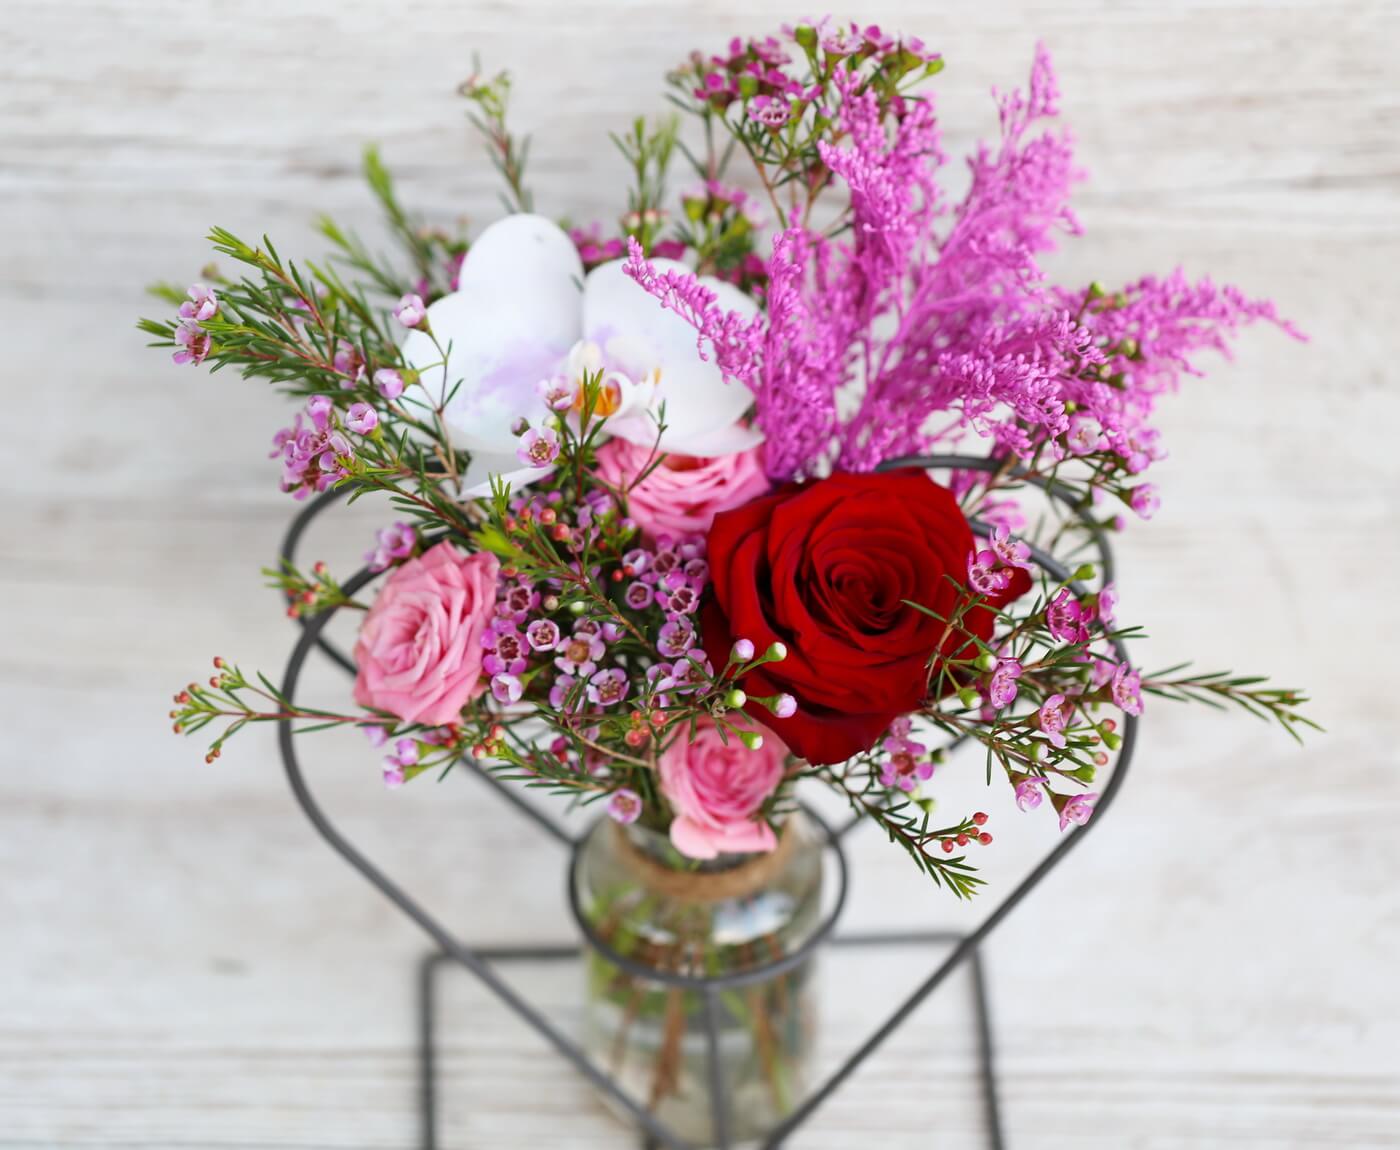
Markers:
(182, 964)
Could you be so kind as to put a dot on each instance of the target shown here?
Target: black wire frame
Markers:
(479, 960)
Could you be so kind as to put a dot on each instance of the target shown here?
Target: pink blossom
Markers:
(1085, 435)
(1107, 605)
(201, 305)
(624, 806)
(410, 310)
(419, 649)
(391, 543)
(741, 652)
(1144, 500)
(983, 576)
(389, 383)
(676, 637)
(1010, 552)
(1065, 618)
(1054, 716)
(506, 689)
(682, 495)
(767, 110)
(194, 342)
(404, 754)
(608, 688)
(542, 634)
(505, 649)
(907, 764)
(1077, 809)
(716, 789)
(1127, 693)
(1002, 689)
(785, 707)
(558, 393)
(538, 448)
(1029, 793)
(348, 361)
(361, 418)
(579, 653)
(313, 458)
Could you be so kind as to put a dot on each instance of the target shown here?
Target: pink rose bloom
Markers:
(684, 494)
(715, 790)
(419, 650)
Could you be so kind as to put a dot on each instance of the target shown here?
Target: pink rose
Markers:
(715, 791)
(419, 650)
(682, 495)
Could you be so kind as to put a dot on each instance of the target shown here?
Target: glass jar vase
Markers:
(705, 926)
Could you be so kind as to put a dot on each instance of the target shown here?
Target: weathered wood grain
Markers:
(182, 965)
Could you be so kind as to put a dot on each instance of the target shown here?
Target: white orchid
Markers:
(524, 315)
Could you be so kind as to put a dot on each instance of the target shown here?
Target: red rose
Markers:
(826, 568)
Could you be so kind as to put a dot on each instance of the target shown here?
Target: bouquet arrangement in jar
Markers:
(667, 539)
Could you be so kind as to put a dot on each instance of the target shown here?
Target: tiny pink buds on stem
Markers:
(742, 651)
(785, 707)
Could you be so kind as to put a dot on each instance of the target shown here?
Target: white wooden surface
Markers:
(182, 964)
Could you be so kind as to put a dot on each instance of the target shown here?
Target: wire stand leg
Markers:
(986, 1053)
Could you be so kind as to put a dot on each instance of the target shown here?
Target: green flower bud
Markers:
(776, 653)
(806, 36)
(751, 739)
(1084, 571)
(968, 697)
(986, 661)
(577, 607)
(735, 698)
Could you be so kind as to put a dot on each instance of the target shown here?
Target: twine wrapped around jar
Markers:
(747, 877)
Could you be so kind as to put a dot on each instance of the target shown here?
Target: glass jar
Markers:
(661, 911)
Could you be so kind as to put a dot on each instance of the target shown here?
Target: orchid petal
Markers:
(511, 322)
(639, 336)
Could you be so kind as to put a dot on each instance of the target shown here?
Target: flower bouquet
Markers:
(669, 539)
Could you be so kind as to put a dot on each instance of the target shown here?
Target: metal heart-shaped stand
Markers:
(479, 959)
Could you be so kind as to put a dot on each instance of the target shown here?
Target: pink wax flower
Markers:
(1054, 717)
(683, 495)
(1144, 500)
(410, 310)
(361, 418)
(1065, 618)
(1029, 793)
(1002, 689)
(194, 343)
(1127, 690)
(1011, 552)
(538, 448)
(1077, 809)
(983, 575)
(201, 305)
(419, 649)
(624, 806)
(388, 382)
(716, 789)
(1107, 605)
